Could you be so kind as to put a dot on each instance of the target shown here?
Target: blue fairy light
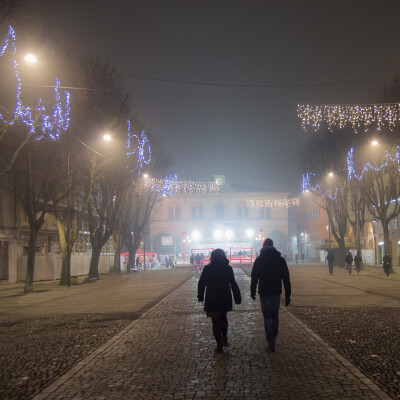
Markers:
(306, 186)
(138, 148)
(51, 126)
(351, 172)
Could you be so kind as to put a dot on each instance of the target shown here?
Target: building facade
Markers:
(187, 223)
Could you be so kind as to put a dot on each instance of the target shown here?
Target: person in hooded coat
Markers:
(269, 270)
(218, 282)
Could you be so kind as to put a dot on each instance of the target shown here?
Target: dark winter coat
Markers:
(349, 259)
(330, 257)
(269, 270)
(217, 280)
(357, 260)
(387, 260)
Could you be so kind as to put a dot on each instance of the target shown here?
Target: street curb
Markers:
(98, 352)
(347, 364)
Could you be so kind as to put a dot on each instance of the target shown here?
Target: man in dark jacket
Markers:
(268, 271)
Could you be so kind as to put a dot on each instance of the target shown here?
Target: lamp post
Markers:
(374, 240)
(329, 236)
(68, 222)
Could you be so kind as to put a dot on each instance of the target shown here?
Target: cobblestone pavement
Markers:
(366, 336)
(45, 333)
(169, 353)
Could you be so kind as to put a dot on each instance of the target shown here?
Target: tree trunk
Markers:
(64, 252)
(117, 250)
(342, 251)
(30, 266)
(94, 262)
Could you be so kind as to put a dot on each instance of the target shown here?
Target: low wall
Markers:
(48, 267)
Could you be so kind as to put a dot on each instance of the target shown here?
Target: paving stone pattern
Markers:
(169, 353)
(366, 336)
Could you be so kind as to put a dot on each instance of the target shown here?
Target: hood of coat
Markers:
(269, 252)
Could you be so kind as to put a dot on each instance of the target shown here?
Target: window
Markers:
(174, 213)
(197, 213)
(243, 212)
(220, 211)
(265, 213)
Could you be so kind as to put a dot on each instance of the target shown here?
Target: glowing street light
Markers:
(249, 233)
(229, 234)
(330, 174)
(217, 234)
(196, 235)
(107, 137)
(374, 143)
(30, 58)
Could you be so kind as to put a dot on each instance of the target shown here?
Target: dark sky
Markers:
(252, 135)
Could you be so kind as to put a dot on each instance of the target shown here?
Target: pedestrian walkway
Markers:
(169, 353)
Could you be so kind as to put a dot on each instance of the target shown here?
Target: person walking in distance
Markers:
(387, 263)
(357, 262)
(330, 258)
(349, 262)
(218, 281)
(269, 270)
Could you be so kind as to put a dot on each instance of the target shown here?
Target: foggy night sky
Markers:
(252, 135)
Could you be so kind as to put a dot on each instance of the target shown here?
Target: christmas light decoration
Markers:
(139, 148)
(171, 186)
(273, 203)
(307, 187)
(358, 116)
(51, 125)
(351, 172)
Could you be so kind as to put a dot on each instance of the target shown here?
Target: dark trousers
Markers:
(270, 309)
(220, 326)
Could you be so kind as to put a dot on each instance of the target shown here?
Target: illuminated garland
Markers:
(52, 124)
(307, 187)
(357, 116)
(170, 186)
(139, 148)
(351, 172)
(273, 203)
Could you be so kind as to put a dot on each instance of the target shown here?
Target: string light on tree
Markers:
(51, 124)
(273, 203)
(368, 166)
(138, 148)
(306, 187)
(357, 116)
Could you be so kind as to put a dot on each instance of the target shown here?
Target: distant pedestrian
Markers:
(357, 262)
(192, 259)
(302, 258)
(349, 262)
(296, 257)
(387, 263)
(269, 270)
(330, 258)
(218, 281)
(166, 262)
(197, 258)
(137, 262)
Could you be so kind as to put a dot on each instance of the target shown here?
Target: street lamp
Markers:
(374, 143)
(30, 58)
(196, 235)
(374, 240)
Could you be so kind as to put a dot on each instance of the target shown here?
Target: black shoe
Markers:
(220, 348)
(225, 342)
(271, 348)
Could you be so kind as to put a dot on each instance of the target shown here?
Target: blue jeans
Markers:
(270, 309)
